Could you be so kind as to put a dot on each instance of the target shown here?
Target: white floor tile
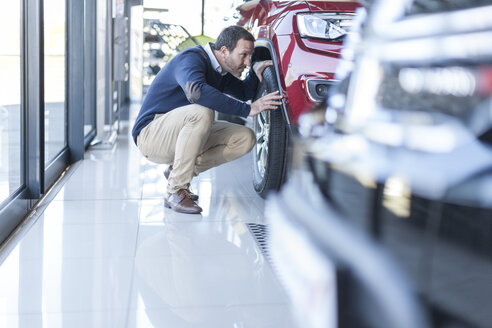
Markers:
(92, 319)
(64, 285)
(91, 212)
(103, 180)
(49, 241)
(200, 238)
(202, 280)
(264, 316)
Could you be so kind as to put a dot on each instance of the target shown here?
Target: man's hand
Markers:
(260, 66)
(269, 101)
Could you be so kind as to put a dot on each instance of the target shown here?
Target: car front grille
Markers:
(448, 90)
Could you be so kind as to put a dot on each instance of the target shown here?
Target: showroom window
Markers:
(41, 105)
(10, 99)
(55, 132)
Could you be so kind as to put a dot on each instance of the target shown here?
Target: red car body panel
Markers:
(336, 5)
(299, 59)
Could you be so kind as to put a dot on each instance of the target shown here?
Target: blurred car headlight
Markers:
(331, 26)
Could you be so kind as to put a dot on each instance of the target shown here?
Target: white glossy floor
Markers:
(106, 253)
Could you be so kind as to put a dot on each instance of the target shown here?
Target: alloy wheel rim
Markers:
(262, 131)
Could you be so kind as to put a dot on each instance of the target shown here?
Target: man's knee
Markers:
(246, 139)
(251, 139)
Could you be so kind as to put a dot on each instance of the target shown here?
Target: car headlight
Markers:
(331, 26)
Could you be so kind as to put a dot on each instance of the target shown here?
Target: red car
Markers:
(304, 40)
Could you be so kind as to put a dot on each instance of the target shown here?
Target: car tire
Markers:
(269, 152)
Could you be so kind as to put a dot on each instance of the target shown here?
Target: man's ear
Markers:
(224, 51)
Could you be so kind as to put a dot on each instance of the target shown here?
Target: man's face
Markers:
(236, 61)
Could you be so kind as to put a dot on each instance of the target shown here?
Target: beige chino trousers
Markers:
(189, 139)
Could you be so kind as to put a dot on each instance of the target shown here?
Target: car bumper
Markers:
(334, 273)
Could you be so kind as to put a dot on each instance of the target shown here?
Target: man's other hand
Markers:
(260, 66)
(267, 102)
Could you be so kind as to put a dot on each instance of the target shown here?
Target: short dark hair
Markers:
(230, 36)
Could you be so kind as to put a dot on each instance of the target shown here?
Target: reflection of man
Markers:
(176, 122)
(179, 287)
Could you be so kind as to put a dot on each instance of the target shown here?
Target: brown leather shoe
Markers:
(181, 202)
(167, 172)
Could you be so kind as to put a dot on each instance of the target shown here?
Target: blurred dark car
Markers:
(390, 193)
(304, 40)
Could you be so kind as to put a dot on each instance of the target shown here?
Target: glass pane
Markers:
(10, 98)
(89, 67)
(54, 78)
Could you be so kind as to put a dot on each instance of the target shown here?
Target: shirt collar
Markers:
(213, 59)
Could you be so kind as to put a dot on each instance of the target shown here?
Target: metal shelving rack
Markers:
(162, 41)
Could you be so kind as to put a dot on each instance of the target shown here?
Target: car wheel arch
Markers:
(265, 50)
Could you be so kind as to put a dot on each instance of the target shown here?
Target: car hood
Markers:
(334, 5)
(248, 8)
(314, 5)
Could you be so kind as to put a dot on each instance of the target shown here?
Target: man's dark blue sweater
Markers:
(189, 78)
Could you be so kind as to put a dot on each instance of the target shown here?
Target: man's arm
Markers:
(242, 89)
(190, 74)
(246, 89)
